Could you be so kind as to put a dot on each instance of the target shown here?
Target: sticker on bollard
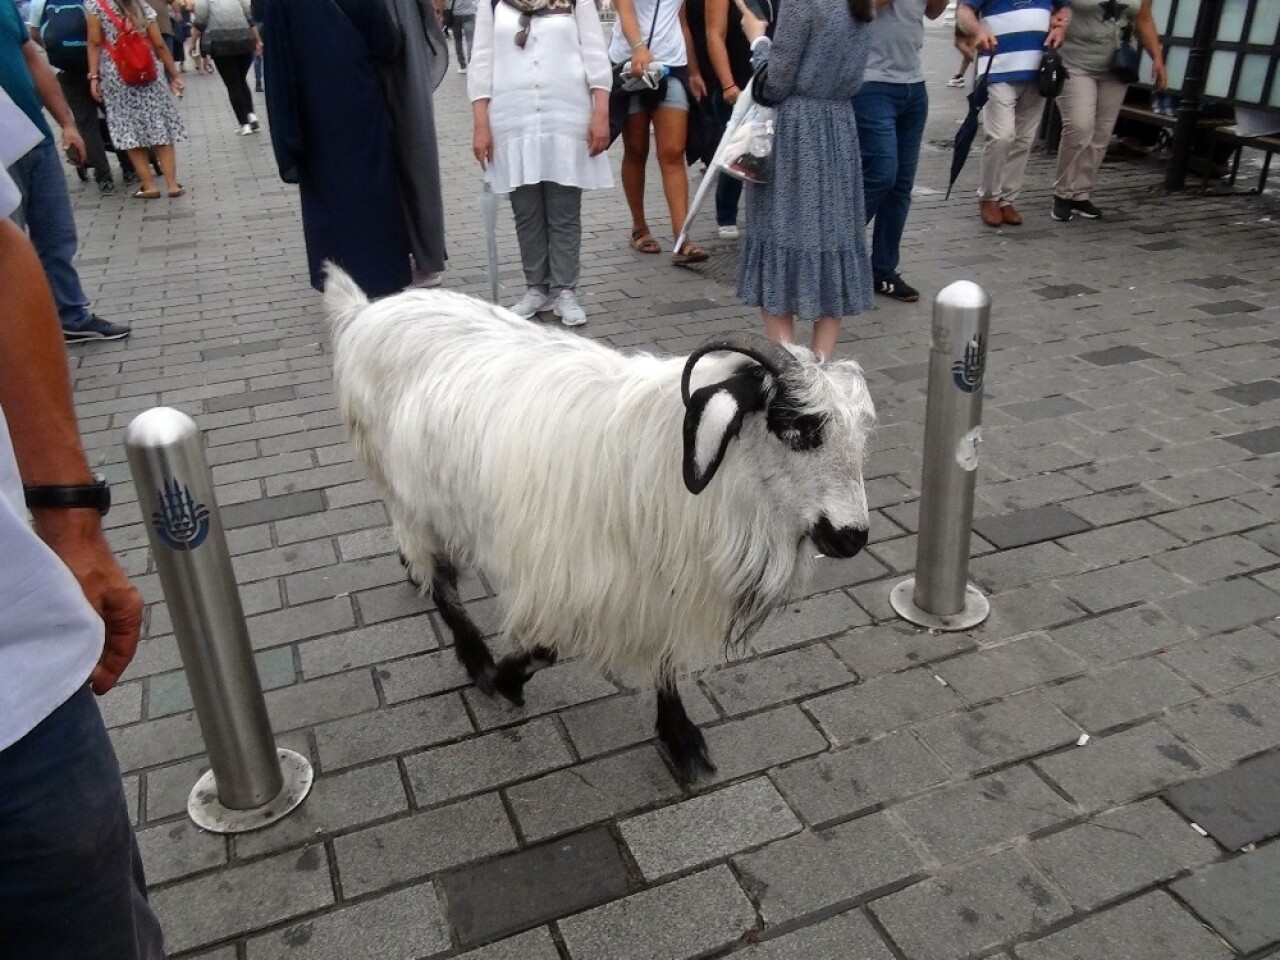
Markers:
(967, 372)
(181, 523)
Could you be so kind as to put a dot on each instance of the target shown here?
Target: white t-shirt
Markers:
(50, 637)
(667, 45)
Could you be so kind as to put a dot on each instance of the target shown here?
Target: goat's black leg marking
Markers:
(468, 644)
(680, 739)
(404, 562)
(515, 669)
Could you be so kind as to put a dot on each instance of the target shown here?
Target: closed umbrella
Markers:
(969, 128)
(489, 213)
(744, 101)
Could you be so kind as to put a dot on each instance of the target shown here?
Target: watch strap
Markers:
(90, 496)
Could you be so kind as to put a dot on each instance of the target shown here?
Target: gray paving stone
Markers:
(814, 871)
(1121, 585)
(1131, 691)
(1225, 606)
(1204, 521)
(1008, 668)
(1258, 442)
(1127, 503)
(250, 512)
(1239, 898)
(757, 743)
(715, 825)
(121, 705)
(413, 677)
(537, 884)
(588, 793)
(534, 945)
(1237, 806)
(315, 701)
(557, 687)
(242, 899)
(357, 648)
(250, 398)
(1024, 527)
(1218, 663)
(607, 725)
(422, 844)
(881, 705)
(404, 925)
(156, 742)
(1014, 729)
(1217, 559)
(391, 730)
(482, 763)
(754, 684)
(1115, 769)
(1043, 409)
(300, 622)
(1119, 852)
(688, 918)
(343, 578)
(1121, 543)
(330, 523)
(849, 782)
(974, 909)
(1116, 355)
(958, 821)
(1023, 565)
(891, 647)
(831, 574)
(820, 616)
(169, 692)
(337, 802)
(179, 849)
(1153, 927)
(1118, 636)
(1251, 394)
(1236, 724)
(849, 936)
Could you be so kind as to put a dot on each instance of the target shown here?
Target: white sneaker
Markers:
(253, 122)
(462, 68)
(728, 233)
(956, 82)
(567, 308)
(246, 130)
(533, 301)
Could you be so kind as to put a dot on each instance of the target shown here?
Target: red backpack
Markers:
(131, 51)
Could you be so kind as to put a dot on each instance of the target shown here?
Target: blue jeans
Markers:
(728, 189)
(71, 881)
(46, 207)
(891, 120)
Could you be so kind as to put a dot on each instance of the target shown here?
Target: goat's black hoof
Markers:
(509, 681)
(485, 679)
(686, 749)
(408, 575)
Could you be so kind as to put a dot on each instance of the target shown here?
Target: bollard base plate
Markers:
(976, 608)
(208, 813)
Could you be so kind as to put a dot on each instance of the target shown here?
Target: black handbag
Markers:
(1124, 62)
(229, 43)
(1052, 74)
(620, 99)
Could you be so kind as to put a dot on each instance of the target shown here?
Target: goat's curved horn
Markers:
(768, 353)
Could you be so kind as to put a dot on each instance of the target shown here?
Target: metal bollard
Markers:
(250, 784)
(940, 596)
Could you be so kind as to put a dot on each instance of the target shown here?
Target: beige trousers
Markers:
(1009, 120)
(1090, 103)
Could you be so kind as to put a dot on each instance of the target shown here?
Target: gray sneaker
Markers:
(96, 329)
(533, 301)
(568, 309)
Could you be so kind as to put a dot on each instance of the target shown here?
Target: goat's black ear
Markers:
(712, 418)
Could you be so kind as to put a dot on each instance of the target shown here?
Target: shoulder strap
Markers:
(105, 7)
(653, 25)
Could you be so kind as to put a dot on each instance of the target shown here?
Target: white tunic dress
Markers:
(540, 96)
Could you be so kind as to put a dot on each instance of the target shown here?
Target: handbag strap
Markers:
(653, 24)
(116, 22)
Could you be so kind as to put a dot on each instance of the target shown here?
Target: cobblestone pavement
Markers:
(882, 792)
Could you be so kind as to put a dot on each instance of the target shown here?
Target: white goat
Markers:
(579, 481)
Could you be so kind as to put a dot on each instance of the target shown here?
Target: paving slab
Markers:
(753, 744)
(1237, 806)
(1235, 725)
(1240, 898)
(880, 705)
(1023, 527)
(1008, 668)
(1130, 691)
(534, 945)
(1221, 607)
(893, 647)
(1220, 662)
(1009, 730)
(790, 675)
(850, 935)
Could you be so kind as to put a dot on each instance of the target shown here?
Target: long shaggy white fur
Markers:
(553, 464)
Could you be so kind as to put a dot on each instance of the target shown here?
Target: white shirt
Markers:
(540, 96)
(50, 638)
(667, 45)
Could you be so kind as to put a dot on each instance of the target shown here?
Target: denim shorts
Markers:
(676, 97)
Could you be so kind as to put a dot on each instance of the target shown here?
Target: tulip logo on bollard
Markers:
(181, 523)
(968, 372)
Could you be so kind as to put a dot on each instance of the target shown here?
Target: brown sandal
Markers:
(642, 241)
(689, 253)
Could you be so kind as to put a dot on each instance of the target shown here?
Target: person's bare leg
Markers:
(825, 332)
(142, 167)
(167, 157)
(635, 154)
(778, 327)
(671, 129)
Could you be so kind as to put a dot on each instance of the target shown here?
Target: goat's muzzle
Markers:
(839, 543)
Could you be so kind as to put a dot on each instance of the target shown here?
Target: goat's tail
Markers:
(343, 298)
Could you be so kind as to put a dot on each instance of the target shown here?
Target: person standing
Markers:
(891, 108)
(463, 17)
(228, 35)
(539, 89)
(1092, 96)
(1010, 36)
(805, 250)
(257, 16)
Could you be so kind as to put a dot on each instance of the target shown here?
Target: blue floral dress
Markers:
(805, 249)
(136, 116)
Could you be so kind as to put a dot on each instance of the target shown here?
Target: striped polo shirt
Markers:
(1020, 27)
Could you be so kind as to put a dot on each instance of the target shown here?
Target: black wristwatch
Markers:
(88, 496)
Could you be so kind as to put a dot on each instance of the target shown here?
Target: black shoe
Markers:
(96, 329)
(1063, 209)
(897, 288)
(106, 185)
(1086, 209)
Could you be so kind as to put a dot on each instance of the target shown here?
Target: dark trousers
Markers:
(234, 71)
(71, 881)
(75, 87)
(728, 189)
